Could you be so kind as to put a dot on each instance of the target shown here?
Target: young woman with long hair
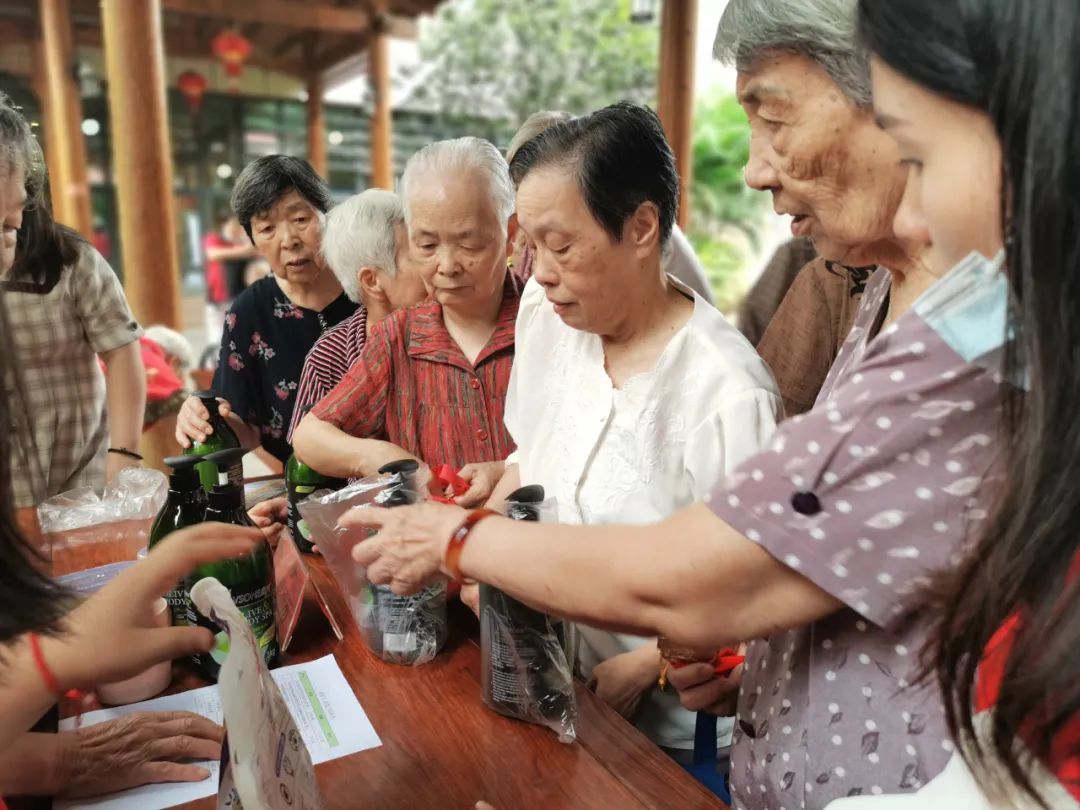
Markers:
(67, 319)
(983, 99)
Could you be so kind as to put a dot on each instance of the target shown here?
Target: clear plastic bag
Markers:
(408, 630)
(524, 670)
(114, 526)
(135, 494)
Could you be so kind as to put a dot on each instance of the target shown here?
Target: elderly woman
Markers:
(813, 550)
(678, 258)
(625, 408)
(366, 245)
(281, 203)
(431, 381)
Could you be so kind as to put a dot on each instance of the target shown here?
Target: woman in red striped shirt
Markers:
(431, 382)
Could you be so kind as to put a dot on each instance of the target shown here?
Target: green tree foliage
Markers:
(726, 213)
(487, 65)
(503, 60)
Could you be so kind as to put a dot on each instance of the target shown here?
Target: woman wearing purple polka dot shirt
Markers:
(818, 550)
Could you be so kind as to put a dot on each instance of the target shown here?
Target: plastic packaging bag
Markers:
(135, 494)
(264, 762)
(524, 672)
(80, 529)
(407, 630)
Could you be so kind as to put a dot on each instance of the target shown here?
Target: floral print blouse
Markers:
(263, 348)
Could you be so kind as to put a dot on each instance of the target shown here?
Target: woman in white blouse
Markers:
(631, 397)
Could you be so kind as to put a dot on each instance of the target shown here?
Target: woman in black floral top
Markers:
(273, 324)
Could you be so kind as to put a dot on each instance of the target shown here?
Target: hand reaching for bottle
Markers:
(193, 421)
(270, 516)
(108, 637)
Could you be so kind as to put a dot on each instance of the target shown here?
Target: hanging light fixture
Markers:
(643, 12)
(232, 48)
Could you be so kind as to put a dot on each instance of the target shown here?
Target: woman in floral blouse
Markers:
(281, 202)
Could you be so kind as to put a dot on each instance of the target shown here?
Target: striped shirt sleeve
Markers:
(357, 405)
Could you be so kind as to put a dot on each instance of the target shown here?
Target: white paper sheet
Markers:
(330, 719)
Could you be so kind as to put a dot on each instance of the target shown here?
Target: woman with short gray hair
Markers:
(366, 244)
(431, 382)
(281, 203)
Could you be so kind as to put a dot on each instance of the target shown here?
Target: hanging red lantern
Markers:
(193, 85)
(232, 48)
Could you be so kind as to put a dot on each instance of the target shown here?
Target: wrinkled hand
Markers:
(135, 750)
(109, 637)
(409, 549)
(271, 517)
(482, 478)
(193, 421)
(115, 462)
(701, 690)
(622, 681)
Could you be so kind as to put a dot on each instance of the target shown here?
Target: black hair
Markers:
(1016, 62)
(29, 600)
(265, 181)
(44, 247)
(621, 159)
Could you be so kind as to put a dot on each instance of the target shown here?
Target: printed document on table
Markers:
(322, 703)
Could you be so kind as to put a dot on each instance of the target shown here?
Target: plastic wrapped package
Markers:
(135, 494)
(525, 674)
(116, 524)
(408, 630)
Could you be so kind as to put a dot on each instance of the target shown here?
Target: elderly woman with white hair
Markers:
(281, 202)
(431, 382)
(366, 245)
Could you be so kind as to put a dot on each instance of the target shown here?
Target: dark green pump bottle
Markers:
(300, 481)
(223, 438)
(184, 506)
(250, 579)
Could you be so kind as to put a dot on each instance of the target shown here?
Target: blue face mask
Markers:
(969, 309)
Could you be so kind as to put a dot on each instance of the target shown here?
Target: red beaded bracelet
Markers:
(458, 538)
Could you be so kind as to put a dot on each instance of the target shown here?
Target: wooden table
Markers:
(442, 748)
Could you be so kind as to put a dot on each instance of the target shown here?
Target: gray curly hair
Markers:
(822, 30)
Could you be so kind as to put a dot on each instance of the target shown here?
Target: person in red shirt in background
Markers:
(227, 253)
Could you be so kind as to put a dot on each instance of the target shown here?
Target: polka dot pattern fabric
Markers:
(883, 481)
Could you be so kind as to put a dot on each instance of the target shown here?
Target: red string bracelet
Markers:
(75, 695)
(458, 538)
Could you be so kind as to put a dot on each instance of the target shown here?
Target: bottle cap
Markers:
(209, 399)
(530, 494)
(405, 467)
(184, 477)
(225, 494)
(524, 503)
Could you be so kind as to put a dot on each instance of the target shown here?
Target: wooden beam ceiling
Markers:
(311, 16)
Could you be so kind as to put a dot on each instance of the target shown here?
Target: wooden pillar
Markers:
(382, 167)
(316, 124)
(678, 43)
(142, 158)
(67, 147)
(41, 90)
